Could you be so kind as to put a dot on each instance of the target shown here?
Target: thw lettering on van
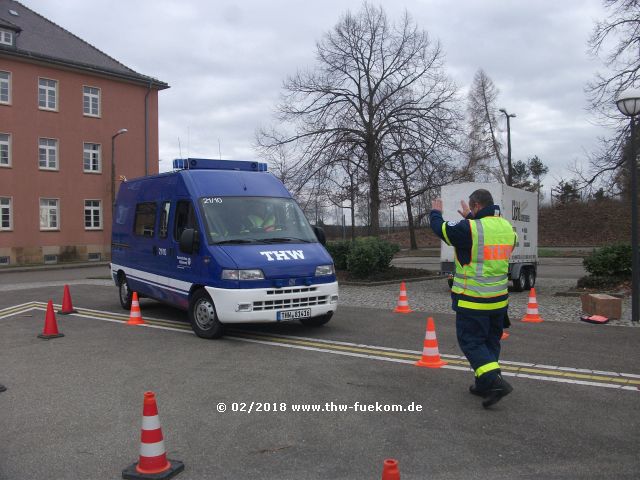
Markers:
(274, 255)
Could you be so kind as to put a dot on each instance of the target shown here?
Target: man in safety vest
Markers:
(483, 243)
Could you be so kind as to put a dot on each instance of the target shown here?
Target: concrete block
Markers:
(602, 304)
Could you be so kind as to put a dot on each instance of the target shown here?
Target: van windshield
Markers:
(239, 220)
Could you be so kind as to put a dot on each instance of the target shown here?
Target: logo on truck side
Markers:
(517, 209)
(283, 255)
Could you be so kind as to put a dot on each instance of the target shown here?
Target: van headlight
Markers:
(254, 274)
(322, 270)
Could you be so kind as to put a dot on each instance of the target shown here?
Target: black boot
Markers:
(474, 391)
(499, 388)
(2, 388)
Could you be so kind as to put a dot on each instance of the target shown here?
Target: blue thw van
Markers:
(223, 240)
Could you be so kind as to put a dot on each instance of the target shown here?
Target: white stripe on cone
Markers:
(150, 423)
(152, 449)
(430, 335)
(532, 311)
(430, 351)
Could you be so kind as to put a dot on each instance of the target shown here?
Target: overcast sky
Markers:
(226, 61)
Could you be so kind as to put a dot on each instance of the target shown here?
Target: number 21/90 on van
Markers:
(223, 240)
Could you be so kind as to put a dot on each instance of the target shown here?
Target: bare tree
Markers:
(372, 76)
(616, 40)
(484, 149)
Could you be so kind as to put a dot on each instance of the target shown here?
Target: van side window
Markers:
(145, 219)
(164, 219)
(185, 218)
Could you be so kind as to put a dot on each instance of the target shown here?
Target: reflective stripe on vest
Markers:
(485, 276)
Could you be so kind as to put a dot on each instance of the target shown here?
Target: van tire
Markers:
(316, 321)
(520, 283)
(531, 278)
(124, 292)
(203, 317)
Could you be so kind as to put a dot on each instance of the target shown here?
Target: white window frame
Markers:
(46, 225)
(6, 203)
(48, 149)
(90, 152)
(7, 82)
(7, 34)
(90, 97)
(6, 144)
(94, 210)
(48, 89)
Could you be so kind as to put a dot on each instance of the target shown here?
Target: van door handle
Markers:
(155, 250)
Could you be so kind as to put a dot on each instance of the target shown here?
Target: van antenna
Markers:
(219, 150)
(180, 149)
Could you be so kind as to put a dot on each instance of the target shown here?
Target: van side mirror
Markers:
(188, 241)
(322, 238)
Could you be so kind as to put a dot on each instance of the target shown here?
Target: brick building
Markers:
(63, 104)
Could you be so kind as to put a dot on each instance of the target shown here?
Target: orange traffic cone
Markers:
(390, 470)
(67, 305)
(430, 354)
(50, 324)
(403, 301)
(532, 315)
(135, 317)
(153, 461)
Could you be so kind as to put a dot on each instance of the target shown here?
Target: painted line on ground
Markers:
(576, 376)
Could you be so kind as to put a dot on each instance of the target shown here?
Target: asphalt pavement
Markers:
(73, 405)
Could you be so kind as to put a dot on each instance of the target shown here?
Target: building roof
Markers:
(40, 39)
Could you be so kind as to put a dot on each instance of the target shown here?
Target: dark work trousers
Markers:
(479, 335)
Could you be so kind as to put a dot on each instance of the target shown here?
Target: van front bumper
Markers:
(263, 304)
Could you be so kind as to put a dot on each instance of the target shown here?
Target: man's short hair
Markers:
(481, 197)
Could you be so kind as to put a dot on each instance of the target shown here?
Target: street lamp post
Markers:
(628, 103)
(509, 171)
(113, 165)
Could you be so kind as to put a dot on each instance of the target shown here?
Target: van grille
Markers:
(288, 303)
(288, 291)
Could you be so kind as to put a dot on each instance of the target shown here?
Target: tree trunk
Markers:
(374, 188)
(412, 228)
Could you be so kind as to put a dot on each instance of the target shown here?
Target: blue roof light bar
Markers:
(211, 164)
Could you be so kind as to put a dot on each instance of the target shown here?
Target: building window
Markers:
(48, 154)
(6, 214)
(47, 94)
(5, 150)
(91, 101)
(49, 214)
(93, 214)
(5, 87)
(92, 158)
(6, 37)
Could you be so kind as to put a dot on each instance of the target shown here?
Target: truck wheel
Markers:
(520, 283)
(316, 321)
(124, 292)
(203, 317)
(531, 278)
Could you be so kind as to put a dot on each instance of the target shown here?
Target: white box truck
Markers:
(519, 207)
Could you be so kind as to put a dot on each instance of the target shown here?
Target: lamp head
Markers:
(628, 102)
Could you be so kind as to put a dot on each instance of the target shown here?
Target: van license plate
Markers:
(294, 314)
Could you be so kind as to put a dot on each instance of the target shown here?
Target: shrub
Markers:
(370, 255)
(339, 251)
(611, 261)
(591, 281)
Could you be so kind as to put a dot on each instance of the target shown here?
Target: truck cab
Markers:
(223, 240)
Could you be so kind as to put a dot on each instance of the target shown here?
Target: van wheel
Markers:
(520, 283)
(531, 278)
(203, 317)
(124, 292)
(316, 321)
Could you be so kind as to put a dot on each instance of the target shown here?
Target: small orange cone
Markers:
(430, 354)
(153, 461)
(135, 317)
(403, 301)
(505, 335)
(390, 470)
(50, 324)
(532, 315)
(67, 304)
